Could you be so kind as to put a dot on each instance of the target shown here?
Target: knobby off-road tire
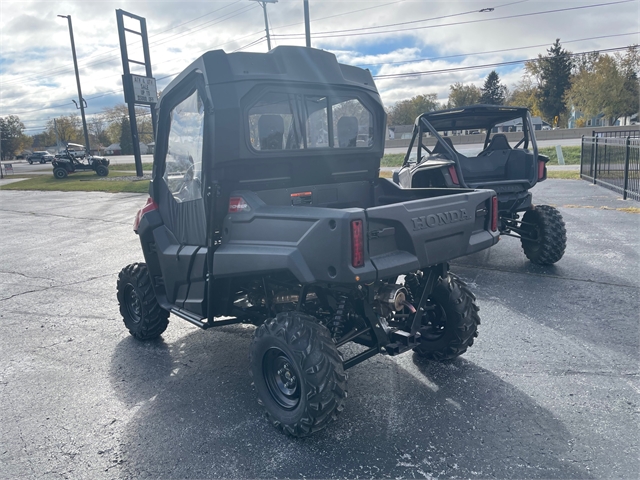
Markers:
(102, 171)
(142, 315)
(60, 173)
(451, 327)
(549, 230)
(297, 373)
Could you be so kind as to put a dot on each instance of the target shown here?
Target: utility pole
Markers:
(80, 99)
(307, 28)
(266, 20)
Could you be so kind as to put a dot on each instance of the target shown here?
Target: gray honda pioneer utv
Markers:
(511, 171)
(266, 208)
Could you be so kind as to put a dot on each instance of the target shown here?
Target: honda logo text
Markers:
(444, 218)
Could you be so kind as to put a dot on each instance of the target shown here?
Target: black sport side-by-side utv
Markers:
(266, 208)
(75, 158)
(509, 171)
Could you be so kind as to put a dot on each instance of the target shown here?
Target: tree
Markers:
(406, 111)
(629, 65)
(604, 87)
(126, 141)
(113, 117)
(40, 141)
(493, 92)
(12, 137)
(555, 80)
(97, 126)
(525, 94)
(69, 128)
(461, 95)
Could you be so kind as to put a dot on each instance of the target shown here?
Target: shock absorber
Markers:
(412, 282)
(340, 318)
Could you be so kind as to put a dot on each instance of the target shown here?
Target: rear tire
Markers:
(549, 228)
(60, 173)
(30, 162)
(102, 171)
(142, 315)
(297, 373)
(450, 326)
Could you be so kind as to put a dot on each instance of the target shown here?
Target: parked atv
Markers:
(266, 208)
(510, 171)
(75, 158)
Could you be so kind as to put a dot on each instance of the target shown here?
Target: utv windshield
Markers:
(283, 121)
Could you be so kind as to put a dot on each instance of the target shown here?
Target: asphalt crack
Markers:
(546, 275)
(39, 214)
(57, 286)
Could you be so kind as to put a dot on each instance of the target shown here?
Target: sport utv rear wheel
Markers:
(142, 315)
(546, 237)
(297, 373)
(60, 173)
(450, 323)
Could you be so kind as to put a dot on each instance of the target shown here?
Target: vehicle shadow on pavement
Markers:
(193, 414)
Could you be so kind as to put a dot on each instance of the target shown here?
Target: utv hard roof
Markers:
(282, 64)
(474, 116)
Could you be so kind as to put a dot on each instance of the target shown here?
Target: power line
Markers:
(346, 33)
(63, 70)
(477, 67)
(492, 51)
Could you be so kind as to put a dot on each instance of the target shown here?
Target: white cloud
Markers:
(36, 69)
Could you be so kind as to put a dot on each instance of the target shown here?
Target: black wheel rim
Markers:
(281, 379)
(132, 301)
(434, 324)
(60, 174)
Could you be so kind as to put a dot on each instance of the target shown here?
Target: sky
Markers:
(442, 42)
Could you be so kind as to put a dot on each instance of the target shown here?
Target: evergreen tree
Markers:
(126, 141)
(555, 81)
(493, 93)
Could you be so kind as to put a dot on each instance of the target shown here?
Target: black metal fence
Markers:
(612, 162)
(632, 132)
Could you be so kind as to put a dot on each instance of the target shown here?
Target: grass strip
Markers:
(555, 174)
(80, 182)
(571, 155)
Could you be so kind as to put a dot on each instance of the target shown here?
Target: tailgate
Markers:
(416, 234)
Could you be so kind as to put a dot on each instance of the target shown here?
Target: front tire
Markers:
(297, 373)
(60, 173)
(451, 321)
(142, 315)
(30, 162)
(547, 235)
(102, 171)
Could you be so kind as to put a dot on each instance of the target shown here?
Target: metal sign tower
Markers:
(138, 89)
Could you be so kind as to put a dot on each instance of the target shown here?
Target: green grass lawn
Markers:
(78, 182)
(571, 155)
(130, 167)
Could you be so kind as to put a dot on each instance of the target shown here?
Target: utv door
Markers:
(177, 189)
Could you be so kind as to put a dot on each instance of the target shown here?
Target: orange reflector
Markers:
(357, 244)
(494, 214)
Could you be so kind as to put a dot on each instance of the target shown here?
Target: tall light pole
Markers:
(80, 99)
(307, 29)
(266, 21)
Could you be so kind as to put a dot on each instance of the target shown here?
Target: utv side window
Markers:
(352, 123)
(272, 125)
(317, 121)
(183, 170)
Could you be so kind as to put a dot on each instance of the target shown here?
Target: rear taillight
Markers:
(454, 175)
(149, 207)
(357, 244)
(494, 214)
(238, 204)
(541, 167)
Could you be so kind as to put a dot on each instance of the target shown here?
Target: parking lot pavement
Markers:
(549, 390)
